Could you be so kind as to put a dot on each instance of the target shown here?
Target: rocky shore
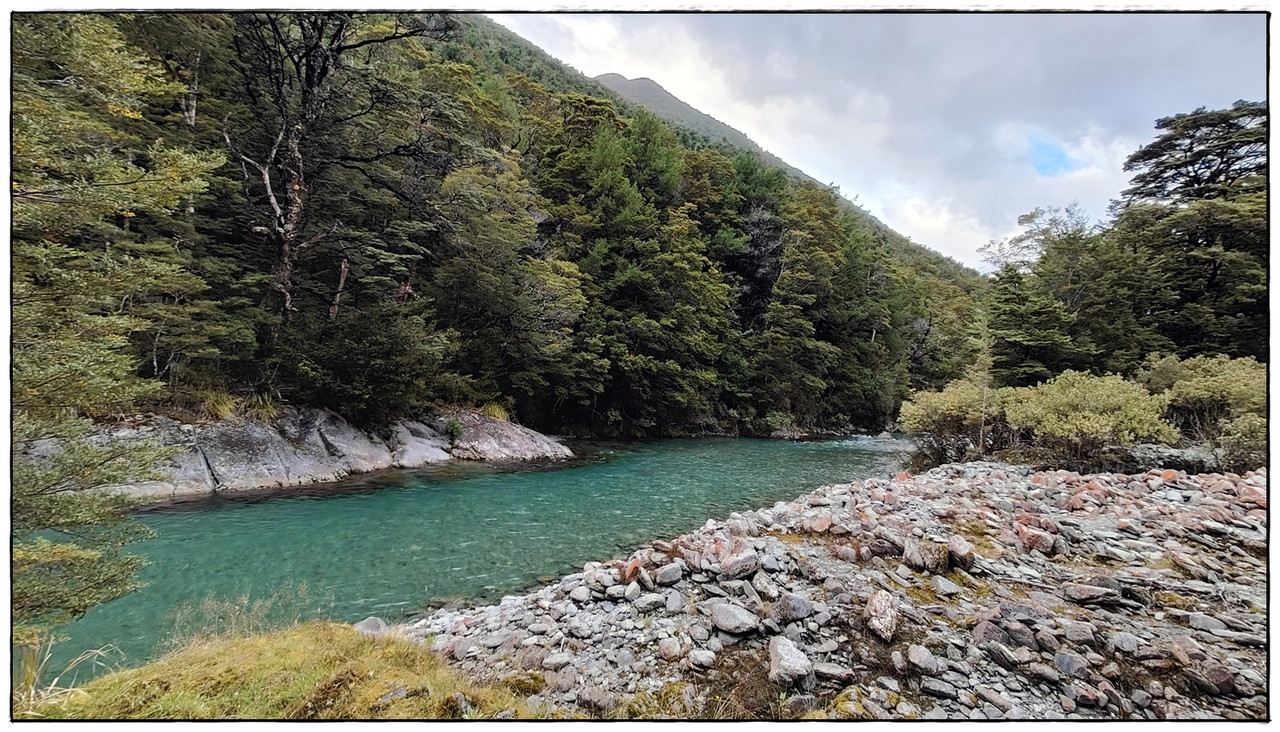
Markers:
(972, 591)
(305, 446)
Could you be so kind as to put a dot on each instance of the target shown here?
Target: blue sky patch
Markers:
(1049, 159)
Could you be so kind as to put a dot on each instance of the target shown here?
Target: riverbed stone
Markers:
(922, 659)
(557, 661)
(882, 615)
(791, 607)
(740, 565)
(668, 574)
(1077, 639)
(649, 602)
(733, 619)
(787, 664)
(702, 658)
(925, 555)
(372, 626)
(944, 586)
(960, 552)
(670, 649)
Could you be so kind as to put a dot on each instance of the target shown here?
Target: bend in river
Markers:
(393, 543)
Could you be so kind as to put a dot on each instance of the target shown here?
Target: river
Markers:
(393, 543)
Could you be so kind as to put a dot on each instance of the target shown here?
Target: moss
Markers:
(310, 671)
(921, 595)
(526, 684)
(1173, 599)
(848, 704)
(977, 535)
(673, 701)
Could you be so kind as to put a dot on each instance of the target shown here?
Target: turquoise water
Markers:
(394, 543)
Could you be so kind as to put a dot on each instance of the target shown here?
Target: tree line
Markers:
(365, 213)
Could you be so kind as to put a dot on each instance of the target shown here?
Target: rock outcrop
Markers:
(305, 446)
(1148, 601)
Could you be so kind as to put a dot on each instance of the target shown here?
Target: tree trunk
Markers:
(342, 283)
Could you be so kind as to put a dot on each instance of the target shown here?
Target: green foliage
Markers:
(81, 175)
(1202, 154)
(963, 420)
(1244, 441)
(494, 410)
(1077, 414)
(1204, 391)
(454, 429)
(371, 365)
(433, 211)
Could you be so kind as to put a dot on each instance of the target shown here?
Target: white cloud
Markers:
(943, 223)
(932, 121)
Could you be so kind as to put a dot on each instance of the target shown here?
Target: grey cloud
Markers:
(950, 81)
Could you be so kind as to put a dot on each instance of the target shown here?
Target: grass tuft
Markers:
(316, 670)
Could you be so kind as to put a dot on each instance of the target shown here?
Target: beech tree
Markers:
(300, 79)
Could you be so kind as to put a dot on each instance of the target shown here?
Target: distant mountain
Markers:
(502, 51)
(649, 94)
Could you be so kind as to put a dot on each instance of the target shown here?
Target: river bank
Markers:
(305, 446)
(975, 591)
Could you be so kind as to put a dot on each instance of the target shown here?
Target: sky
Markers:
(946, 127)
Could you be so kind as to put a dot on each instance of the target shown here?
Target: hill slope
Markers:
(653, 97)
(503, 52)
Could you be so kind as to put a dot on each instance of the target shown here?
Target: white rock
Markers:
(787, 664)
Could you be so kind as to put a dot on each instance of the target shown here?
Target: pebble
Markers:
(1035, 630)
(922, 659)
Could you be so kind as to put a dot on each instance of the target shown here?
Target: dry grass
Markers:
(315, 670)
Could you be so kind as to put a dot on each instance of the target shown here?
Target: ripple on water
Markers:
(358, 549)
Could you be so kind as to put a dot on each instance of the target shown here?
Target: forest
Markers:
(221, 215)
(376, 214)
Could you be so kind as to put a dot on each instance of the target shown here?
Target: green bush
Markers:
(959, 421)
(1075, 415)
(454, 429)
(1206, 391)
(1244, 442)
(371, 366)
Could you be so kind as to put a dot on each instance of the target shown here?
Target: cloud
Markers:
(947, 127)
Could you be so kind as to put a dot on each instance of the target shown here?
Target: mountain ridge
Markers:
(651, 95)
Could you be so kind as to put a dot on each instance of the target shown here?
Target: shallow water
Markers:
(394, 543)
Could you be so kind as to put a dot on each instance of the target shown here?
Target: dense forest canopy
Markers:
(378, 213)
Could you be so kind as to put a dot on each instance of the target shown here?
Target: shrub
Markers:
(371, 366)
(494, 410)
(1244, 442)
(1205, 391)
(781, 423)
(962, 418)
(1076, 415)
(453, 428)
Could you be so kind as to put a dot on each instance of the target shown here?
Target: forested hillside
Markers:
(379, 213)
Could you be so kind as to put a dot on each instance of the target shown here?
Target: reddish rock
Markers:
(1036, 539)
(904, 475)
(630, 571)
(1252, 494)
(987, 631)
(1089, 593)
